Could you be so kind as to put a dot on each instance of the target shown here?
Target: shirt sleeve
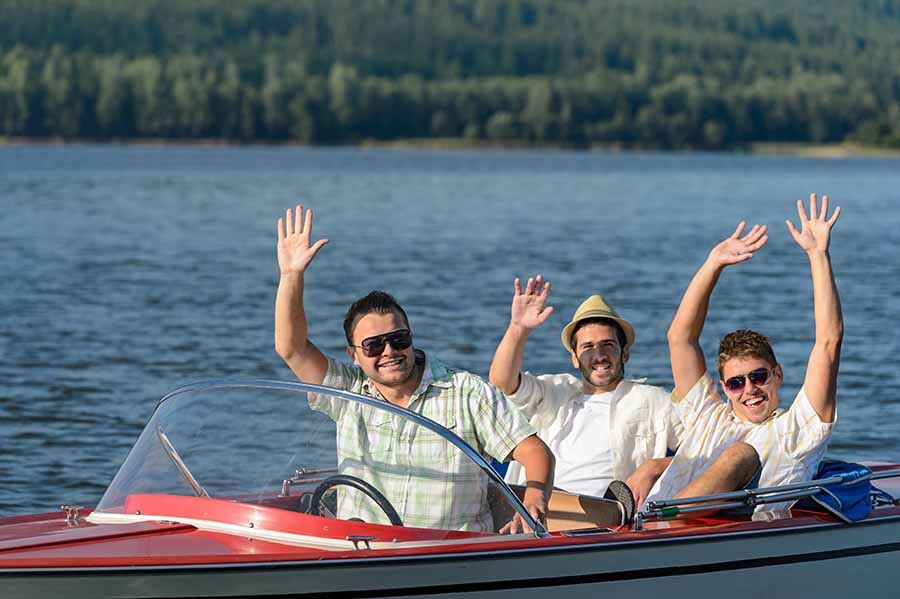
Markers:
(800, 429)
(343, 377)
(499, 425)
(699, 402)
(529, 396)
(674, 426)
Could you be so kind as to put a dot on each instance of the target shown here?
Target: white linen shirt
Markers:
(642, 421)
(790, 444)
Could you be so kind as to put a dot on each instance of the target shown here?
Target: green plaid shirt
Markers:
(431, 483)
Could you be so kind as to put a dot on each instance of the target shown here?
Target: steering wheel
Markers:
(360, 485)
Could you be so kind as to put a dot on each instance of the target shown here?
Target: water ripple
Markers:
(129, 271)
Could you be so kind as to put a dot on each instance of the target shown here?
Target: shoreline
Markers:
(838, 151)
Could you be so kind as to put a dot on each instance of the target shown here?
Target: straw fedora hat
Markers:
(596, 307)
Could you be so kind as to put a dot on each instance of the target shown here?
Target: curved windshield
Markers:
(313, 451)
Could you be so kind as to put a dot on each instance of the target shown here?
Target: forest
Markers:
(648, 74)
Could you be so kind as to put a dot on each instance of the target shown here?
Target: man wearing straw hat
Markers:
(601, 427)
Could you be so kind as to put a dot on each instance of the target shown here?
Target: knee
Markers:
(744, 457)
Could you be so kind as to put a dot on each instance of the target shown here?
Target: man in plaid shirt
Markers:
(430, 484)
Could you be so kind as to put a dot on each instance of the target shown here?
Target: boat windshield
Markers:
(314, 451)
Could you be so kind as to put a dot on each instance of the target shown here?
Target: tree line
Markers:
(701, 74)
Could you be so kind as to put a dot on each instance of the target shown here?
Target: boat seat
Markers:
(569, 511)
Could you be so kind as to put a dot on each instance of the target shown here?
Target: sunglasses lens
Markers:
(374, 346)
(758, 376)
(400, 340)
(735, 383)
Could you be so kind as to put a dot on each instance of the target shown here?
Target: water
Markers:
(127, 271)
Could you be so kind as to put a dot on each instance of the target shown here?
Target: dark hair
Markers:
(620, 334)
(745, 344)
(376, 301)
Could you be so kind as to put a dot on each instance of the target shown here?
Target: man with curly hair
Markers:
(716, 454)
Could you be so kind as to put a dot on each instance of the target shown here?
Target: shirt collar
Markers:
(616, 394)
(435, 373)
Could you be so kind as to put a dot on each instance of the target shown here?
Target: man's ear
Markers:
(778, 373)
(625, 355)
(351, 351)
(575, 362)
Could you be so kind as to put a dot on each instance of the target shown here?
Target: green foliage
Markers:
(706, 74)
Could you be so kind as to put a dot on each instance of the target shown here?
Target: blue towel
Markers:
(848, 500)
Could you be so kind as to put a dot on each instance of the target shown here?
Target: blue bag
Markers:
(849, 499)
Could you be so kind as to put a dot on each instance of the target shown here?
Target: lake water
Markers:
(127, 271)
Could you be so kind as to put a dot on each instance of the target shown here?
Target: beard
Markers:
(604, 381)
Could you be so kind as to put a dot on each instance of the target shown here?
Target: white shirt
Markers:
(642, 422)
(584, 465)
(790, 444)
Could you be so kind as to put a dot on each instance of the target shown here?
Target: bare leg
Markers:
(731, 471)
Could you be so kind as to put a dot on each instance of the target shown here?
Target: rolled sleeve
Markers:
(802, 431)
(338, 376)
(530, 394)
(700, 400)
(500, 425)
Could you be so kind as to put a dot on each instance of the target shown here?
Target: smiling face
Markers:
(392, 367)
(754, 402)
(599, 356)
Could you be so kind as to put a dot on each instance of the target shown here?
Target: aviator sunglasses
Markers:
(373, 346)
(757, 377)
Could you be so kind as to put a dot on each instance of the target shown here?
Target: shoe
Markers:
(619, 491)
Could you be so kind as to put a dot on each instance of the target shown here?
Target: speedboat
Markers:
(241, 488)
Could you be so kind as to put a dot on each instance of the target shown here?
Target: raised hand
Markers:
(294, 250)
(815, 231)
(528, 309)
(737, 249)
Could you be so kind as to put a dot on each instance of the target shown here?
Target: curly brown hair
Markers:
(743, 344)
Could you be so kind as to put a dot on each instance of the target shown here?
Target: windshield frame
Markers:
(507, 492)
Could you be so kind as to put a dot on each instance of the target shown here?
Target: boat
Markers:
(237, 488)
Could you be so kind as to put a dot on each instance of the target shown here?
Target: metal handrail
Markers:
(670, 508)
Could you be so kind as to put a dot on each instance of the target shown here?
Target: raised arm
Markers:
(685, 352)
(529, 311)
(294, 256)
(814, 237)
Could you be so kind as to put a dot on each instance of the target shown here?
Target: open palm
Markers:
(528, 309)
(737, 249)
(294, 249)
(815, 228)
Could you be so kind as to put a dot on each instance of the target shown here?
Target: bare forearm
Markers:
(290, 317)
(685, 353)
(539, 463)
(820, 384)
(827, 303)
(687, 325)
(291, 342)
(656, 466)
(507, 362)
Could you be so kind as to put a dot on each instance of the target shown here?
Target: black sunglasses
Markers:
(757, 377)
(374, 346)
